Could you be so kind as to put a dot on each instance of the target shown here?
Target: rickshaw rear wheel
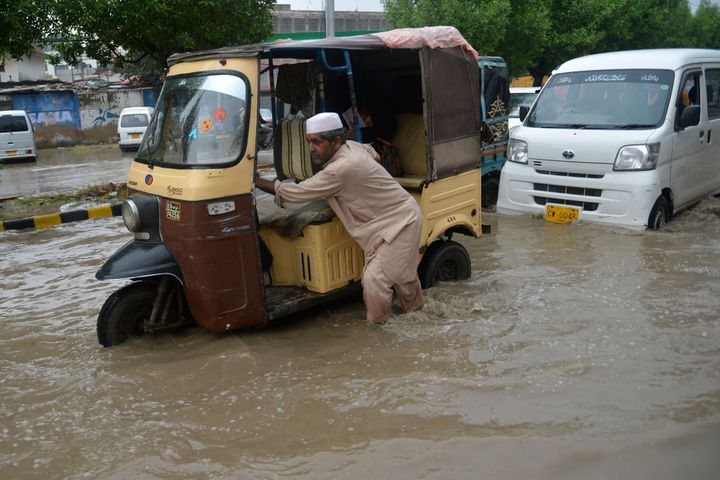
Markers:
(444, 261)
(124, 313)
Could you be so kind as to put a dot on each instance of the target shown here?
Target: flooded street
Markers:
(574, 351)
(65, 169)
(59, 170)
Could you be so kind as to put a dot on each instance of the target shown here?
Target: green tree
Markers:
(22, 26)
(132, 32)
(514, 29)
(539, 35)
(705, 31)
(146, 32)
(576, 28)
(582, 27)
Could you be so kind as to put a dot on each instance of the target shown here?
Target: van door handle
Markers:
(702, 133)
(708, 139)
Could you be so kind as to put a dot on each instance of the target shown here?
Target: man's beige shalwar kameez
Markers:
(379, 215)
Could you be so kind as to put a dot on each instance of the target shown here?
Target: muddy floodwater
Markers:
(64, 170)
(573, 352)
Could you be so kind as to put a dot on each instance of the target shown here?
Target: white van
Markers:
(132, 124)
(625, 138)
(17, 137)
(519, 96)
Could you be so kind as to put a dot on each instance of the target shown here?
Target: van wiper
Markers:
(573, 126)
(635, 126)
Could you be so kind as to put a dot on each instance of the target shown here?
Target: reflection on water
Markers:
(572, 352)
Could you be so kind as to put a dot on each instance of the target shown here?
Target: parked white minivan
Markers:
(132, 124)
(625, 138)
(17, 137)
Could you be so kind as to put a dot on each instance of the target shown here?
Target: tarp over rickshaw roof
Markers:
(403, 38)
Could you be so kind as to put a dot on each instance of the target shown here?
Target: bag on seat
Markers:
(291, 151)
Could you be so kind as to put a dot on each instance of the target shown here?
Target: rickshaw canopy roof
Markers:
(447, 77)
(404, 38)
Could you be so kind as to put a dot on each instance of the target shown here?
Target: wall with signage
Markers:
(68, 117)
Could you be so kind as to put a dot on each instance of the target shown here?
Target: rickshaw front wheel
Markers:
(444, 261)
(124, 313)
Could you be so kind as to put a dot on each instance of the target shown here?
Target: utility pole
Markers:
(329, 18)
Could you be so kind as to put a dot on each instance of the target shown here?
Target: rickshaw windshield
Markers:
(200, 121)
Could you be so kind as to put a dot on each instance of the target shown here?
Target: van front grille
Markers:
(582, 191)
(569, 174)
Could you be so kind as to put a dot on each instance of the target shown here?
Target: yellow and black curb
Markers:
(49, 220)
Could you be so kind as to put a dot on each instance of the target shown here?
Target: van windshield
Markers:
(200, 121)
(607, 99)
(13, 123)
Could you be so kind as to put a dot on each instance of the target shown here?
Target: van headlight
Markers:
(518, 151)
(130, 215)
(637, 157)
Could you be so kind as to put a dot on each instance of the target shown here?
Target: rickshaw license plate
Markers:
(134, 135)
(558, 214)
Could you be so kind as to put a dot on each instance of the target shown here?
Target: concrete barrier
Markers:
(49, 220)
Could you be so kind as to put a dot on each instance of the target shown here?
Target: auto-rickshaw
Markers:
(210, 249)
(495, 109)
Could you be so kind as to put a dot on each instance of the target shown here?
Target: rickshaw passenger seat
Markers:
(291, 151)
(411, 143)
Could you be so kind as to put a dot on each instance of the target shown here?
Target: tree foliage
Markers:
(538, 35)
(137, 36)
(511, 28)
(705, 31)
(135, 32)
(23, 24)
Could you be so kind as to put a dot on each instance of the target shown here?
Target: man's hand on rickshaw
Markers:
(265, 185)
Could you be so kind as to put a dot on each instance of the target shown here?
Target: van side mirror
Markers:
(689, 116)
(524, 109)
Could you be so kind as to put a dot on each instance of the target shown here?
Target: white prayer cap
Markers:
(323, 122)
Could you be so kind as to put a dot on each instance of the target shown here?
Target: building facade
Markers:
(286, 20)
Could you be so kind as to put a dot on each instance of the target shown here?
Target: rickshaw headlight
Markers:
(518, 151)
(130, 215)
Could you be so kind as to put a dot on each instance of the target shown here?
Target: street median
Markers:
(52, 219)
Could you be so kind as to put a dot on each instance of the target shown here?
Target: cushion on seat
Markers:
(410, 140)
(291, 151)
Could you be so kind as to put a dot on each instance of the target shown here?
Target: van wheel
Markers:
(124, 313)
(444, 261)
(659, 215)
(490, 188)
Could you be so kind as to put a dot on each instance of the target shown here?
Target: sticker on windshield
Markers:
(220, 114)
(206, 125)
(606, 77)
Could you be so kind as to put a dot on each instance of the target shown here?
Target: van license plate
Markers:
(12, 153)
(558, 214)
(134, 135)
